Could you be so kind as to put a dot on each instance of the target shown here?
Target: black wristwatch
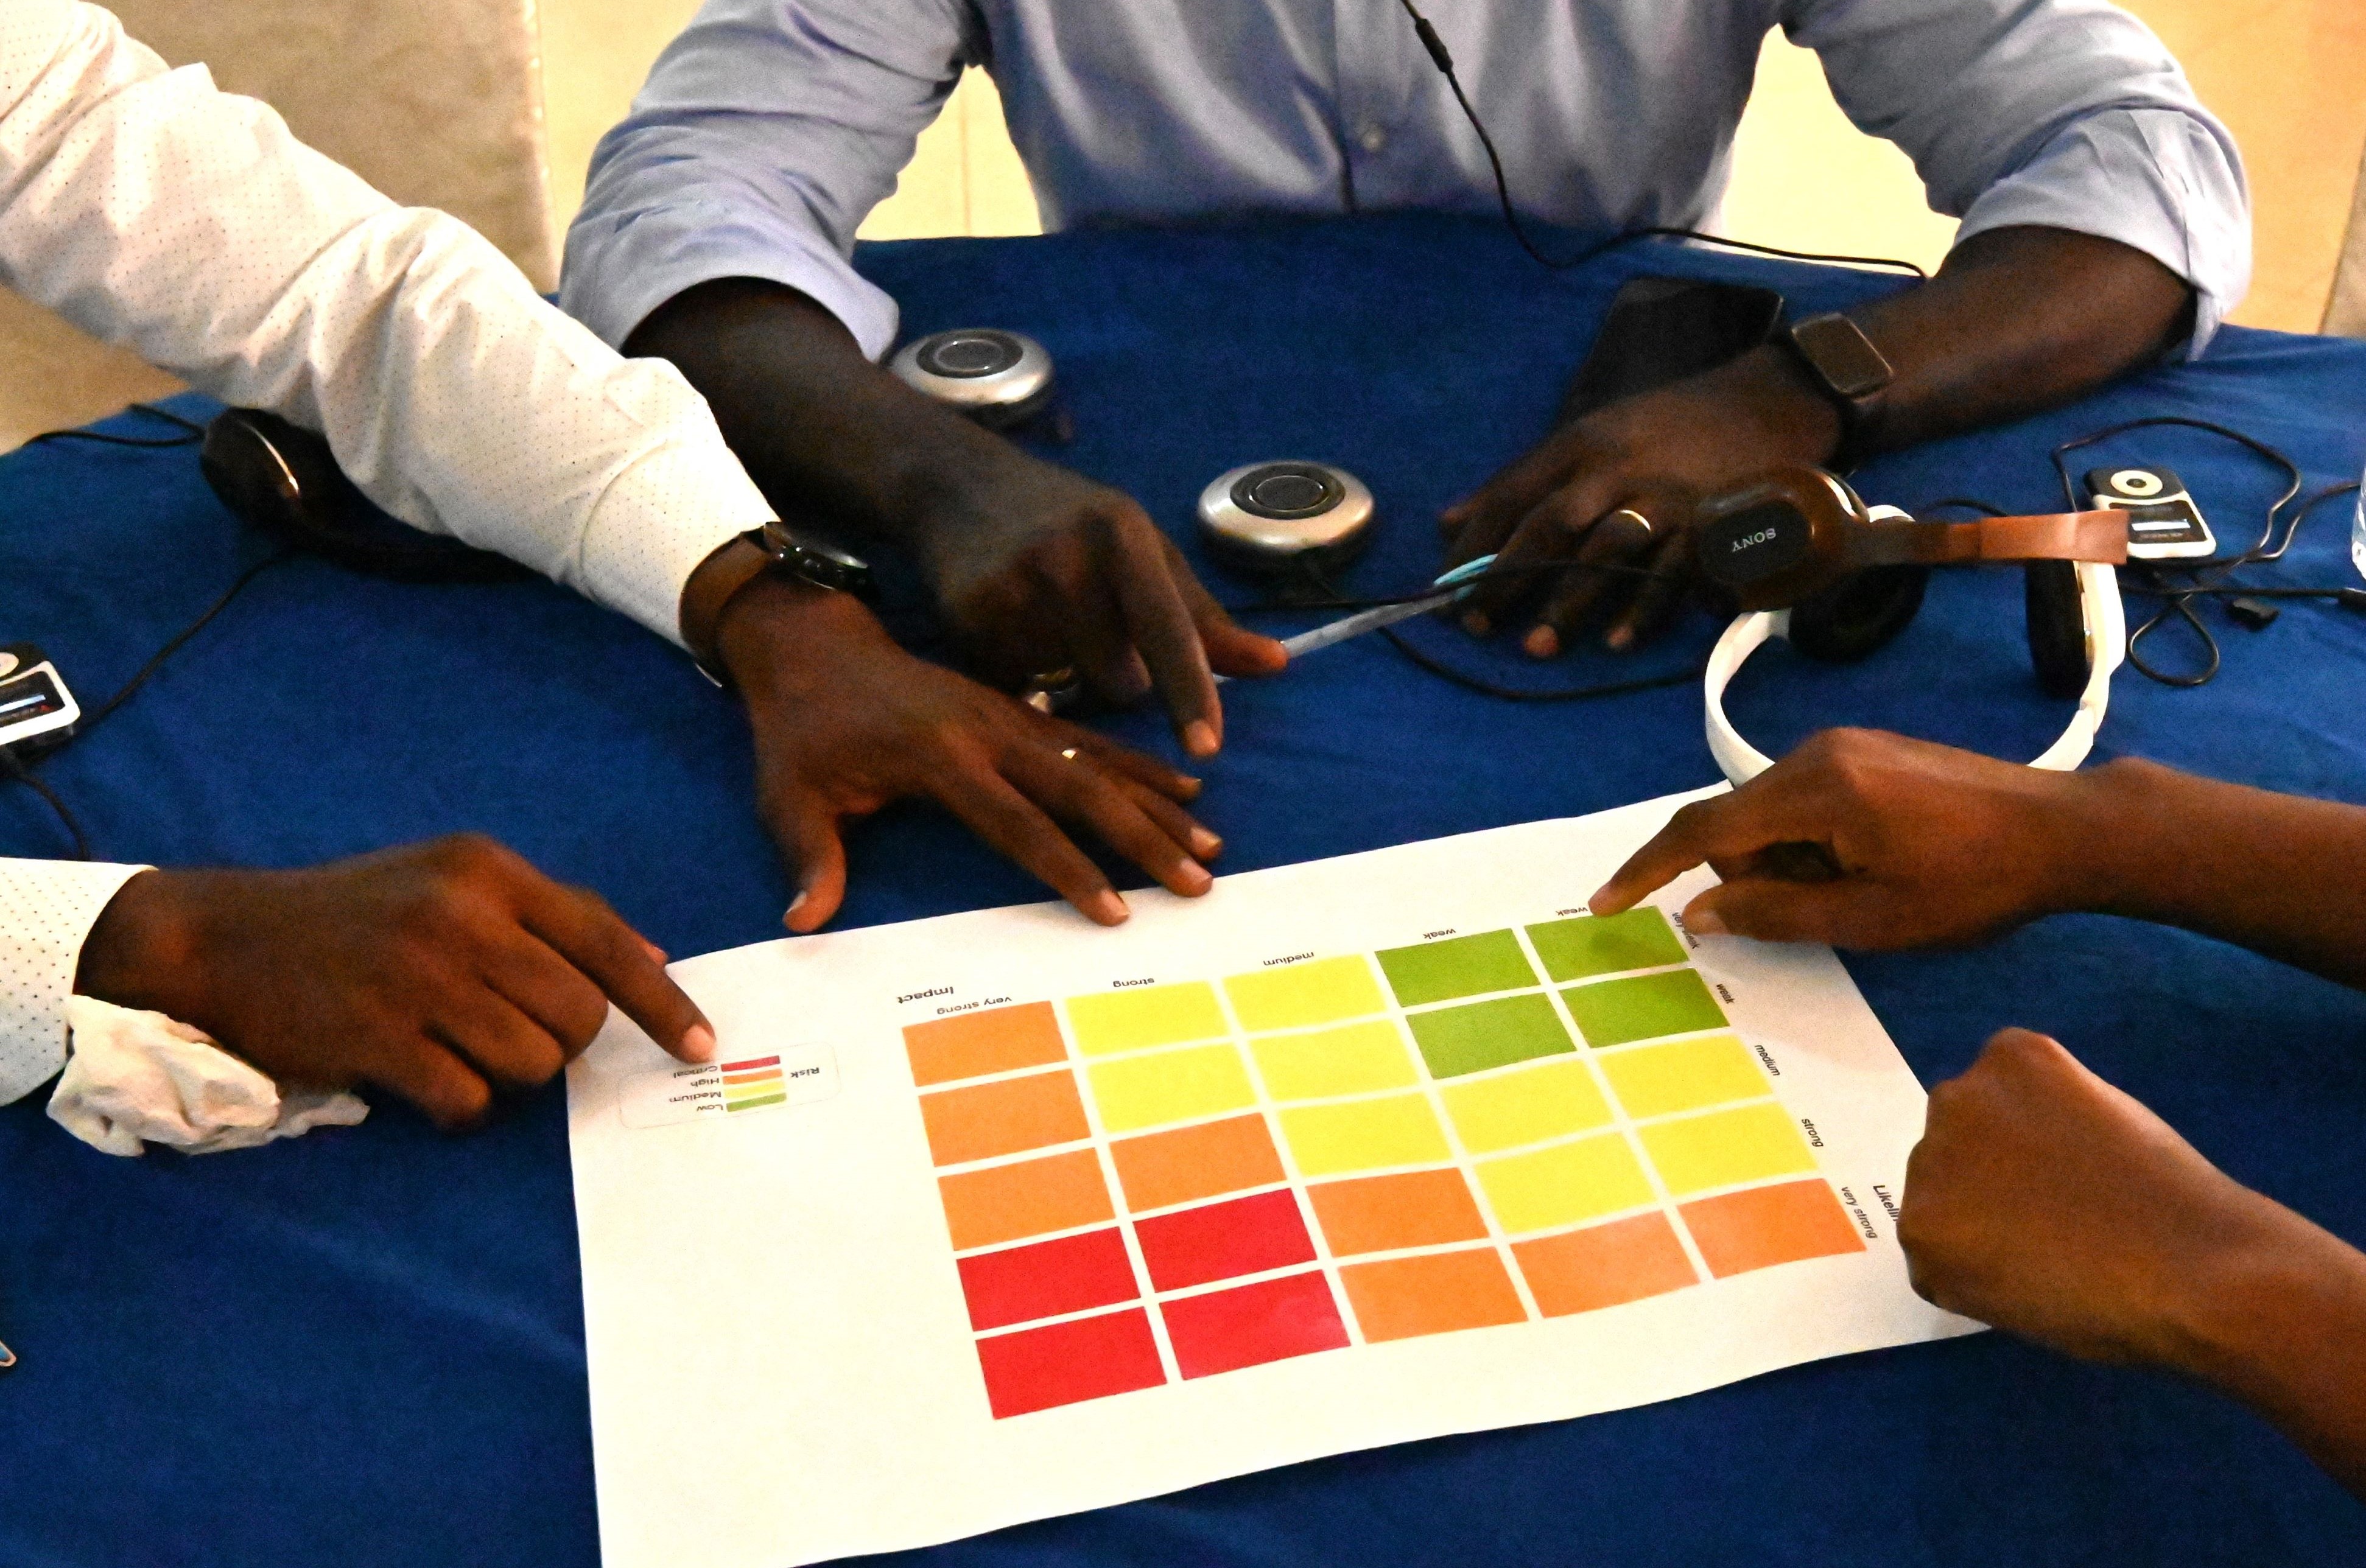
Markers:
(797, 553)
(1848, 370)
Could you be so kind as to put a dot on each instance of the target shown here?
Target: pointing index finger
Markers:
(1724, 827)
(612, 955)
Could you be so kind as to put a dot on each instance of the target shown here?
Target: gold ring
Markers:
(1640, 520)
(1070, 752)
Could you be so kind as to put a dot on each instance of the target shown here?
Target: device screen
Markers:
(29, 697)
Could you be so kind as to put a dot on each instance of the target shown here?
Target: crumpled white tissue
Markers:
(138, 1078)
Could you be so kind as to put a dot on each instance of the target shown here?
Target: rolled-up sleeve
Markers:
(2061, 114)
(765, 135)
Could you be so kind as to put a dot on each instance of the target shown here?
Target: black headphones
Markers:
(285, 481)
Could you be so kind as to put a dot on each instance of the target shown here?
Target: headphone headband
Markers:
(1798, 530)
(2107, 647)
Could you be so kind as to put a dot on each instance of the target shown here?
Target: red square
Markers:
(1047, 1279)
(1269, 1321)
(1061, 1363)
(1224, 1241)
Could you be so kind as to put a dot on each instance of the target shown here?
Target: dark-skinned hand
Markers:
(2043, 1201)
(846, 722)
(439, 972)
(1039, 569)
(1870, 840)
(1657, 455)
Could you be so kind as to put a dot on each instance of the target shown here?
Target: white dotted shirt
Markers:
(188, 224)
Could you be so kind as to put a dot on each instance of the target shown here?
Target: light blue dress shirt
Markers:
(771, 128)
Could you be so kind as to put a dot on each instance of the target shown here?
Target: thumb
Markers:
(1235, 650)
(805, 828)
(1774, 911)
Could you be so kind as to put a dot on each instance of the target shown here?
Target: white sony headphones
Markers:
(1813, 564)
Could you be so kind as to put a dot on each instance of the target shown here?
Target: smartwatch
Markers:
(1848, 370)
(795, 551)
(786, 550)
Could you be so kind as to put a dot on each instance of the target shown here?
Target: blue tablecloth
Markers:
(365, 1348)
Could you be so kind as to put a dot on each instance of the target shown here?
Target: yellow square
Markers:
(1364, 1135)
(1155, 1015)
(1653, 1081)
(1722, 1148)
(1169, 1086)
(1565, 1183)
(1296, 995)
(1528, 1105)
(1354, 1060)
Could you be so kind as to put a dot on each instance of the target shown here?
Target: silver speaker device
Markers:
(1000, 379)
(1267, 517)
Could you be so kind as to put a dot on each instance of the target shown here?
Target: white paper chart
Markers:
(986, 1218)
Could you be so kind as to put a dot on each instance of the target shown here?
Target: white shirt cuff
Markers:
(47, 910)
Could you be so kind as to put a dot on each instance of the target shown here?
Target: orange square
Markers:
(1379, 1213)
(1003, 1117)
(1761, 1226)
(1032, 1197)
(971, 1045)
(1438, 1292)
(1604, 1264)
(1195, 1162)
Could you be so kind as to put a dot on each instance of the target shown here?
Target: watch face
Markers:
(1842, 355)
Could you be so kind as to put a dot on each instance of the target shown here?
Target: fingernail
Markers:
(1704, 923)
(1600, 896)
(1542, 641)
(1106, 907)
(1199, 738)
(1194, 878)
(795, 905)
(656, 953)
(698, 1043)
(1621, 638)
(1205, 845)
(1476, 624)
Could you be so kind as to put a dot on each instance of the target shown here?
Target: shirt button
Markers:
(1373, 138)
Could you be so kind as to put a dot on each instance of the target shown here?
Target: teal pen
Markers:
(1450, 587)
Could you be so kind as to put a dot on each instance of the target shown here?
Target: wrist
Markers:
(145, 950)
(1794, 421)
(2102, 839)
(775, 626)
(2266, 1280)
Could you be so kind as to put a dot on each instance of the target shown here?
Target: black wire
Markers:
(2177, 598)
(1332, 601)
(1468, 682)
(1444, 61)
(15, 766)
(15, 769)
(90, 720)
(196, 432)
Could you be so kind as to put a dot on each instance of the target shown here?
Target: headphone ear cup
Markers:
(1858, 614)
(2058, 627)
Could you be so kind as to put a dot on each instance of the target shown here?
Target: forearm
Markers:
(2279, 1324)
(2280, 874)
(2018, 320)
(821, 429)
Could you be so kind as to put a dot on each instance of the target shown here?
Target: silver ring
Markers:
(1642, 521)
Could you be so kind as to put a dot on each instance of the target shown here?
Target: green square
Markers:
(1611, 1012)
(1582, 948)
(1467, 966)
(1456, 1040)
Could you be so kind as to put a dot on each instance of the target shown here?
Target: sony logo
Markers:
(1748, 540)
